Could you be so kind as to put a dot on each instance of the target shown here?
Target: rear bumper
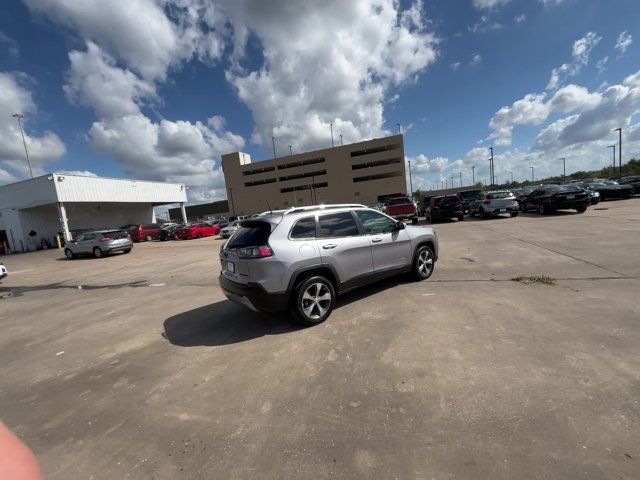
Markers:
(570, 205)
(507, 209)
(256, 298)
(119, 248)
(446, 213)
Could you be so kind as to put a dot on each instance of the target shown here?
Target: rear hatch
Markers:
(570, 195)
(450, 204)
(400, 206)
(236, 255)
(501, 199)
(116, 237)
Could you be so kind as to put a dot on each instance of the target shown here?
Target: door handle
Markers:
(329, 246)
(376, 240)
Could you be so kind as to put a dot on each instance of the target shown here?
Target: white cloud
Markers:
(601, 64)
(15, 97)
(624, 41)
(488, 4)
(11, 44)
(484, 24)
(82, 173)
(520, 18)
(455, 66)
(580, 52)
(338, 74)
(476, 59)
(421, 164)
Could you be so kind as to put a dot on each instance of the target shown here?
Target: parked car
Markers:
(3, 271)
(594, 197)
(99, 243)
(197, 230)
(302, 259)
(444, 206)
(467, 197)
(494, 202)
(146, 232)
(233, 218)
(401, 208)
(230, 229)
(521, 193)
(633, 181)
(549, 198)
(609, 189)
(169, 233)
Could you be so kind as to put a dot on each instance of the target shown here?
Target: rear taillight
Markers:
(106, 239)
(254, 252)
(487, 202)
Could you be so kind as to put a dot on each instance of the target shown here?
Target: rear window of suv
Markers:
(250, 234)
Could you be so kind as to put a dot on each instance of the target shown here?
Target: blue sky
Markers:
(159, 89)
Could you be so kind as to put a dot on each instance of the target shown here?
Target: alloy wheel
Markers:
(425, 262)
(316, 300)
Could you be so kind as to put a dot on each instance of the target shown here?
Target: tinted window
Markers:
(90, 236)
(337, 225)
(250, 234)
(374, 222)
(304, 228)
(398, 201)
(79, 238)
(497, 195)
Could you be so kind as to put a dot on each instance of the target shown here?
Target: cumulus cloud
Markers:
(338, 74)
(488, 4)
(624, 41)
(455, 66)
(484, 24)
(476, 59)
(580, 53)
(16, 97)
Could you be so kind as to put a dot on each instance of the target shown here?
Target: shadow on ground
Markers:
(225, 323)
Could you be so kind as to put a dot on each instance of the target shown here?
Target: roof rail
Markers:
(323, 207)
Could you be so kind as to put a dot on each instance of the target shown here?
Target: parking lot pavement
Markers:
(135, 366)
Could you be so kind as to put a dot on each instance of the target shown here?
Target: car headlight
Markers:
(596, 194)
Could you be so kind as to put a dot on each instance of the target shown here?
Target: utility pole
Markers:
(290, 150)
(492, 172)
(410, 179)
(473, 174)
(446, 183)
(613, 172)
(619, 130)
(19, 117)
(532, 175)
(331, 125)
(273, 141)
(564, 169)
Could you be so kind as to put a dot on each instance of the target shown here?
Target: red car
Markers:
(401, 208)
(197, 230)
(146, 232)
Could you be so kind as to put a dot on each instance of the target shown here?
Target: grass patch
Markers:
(529, 279)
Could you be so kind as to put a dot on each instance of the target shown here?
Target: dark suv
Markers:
(446, 206)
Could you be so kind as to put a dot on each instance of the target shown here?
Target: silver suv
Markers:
(302, 258)
(99, 243)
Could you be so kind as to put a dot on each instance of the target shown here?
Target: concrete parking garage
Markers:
(137, 367)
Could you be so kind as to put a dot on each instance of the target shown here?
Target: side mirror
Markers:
(400, 226)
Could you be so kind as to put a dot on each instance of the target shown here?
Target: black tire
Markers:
(513, 214)
(542, 210)
(98, 253)
(149, 238)
(472, 213)
(414, 221)
(307, 307)
(199, 235)
(423, 263)
(483, 214)
(581, 209)
(460, 218)
(126, 250)
(69, 254)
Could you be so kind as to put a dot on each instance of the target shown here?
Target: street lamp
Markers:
(19, 117)
(532, 175)
(273, 141)
(473, 174)
(619, 130)
(399, 128)
(341, 144)
(511, 173)
(614, 159)
(491, 170)
(290, 150)
(331, 125)
(564, 169)
(460, 178)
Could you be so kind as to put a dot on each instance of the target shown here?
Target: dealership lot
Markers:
(136, 366)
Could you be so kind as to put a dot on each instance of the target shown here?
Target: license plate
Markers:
(231, 267)
(503, 209)
(570, 197)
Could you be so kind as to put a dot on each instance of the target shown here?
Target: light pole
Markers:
(491, 168)
(564, 169)
(460, 178)
(19, 117)
(614, 159)
(532, 175)
(273, 141)
(473, 174)
(290, 150)
(446, 183)
(331, 125)
(341, 144)
(399, 128)
(619, 130)
(511, 173)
